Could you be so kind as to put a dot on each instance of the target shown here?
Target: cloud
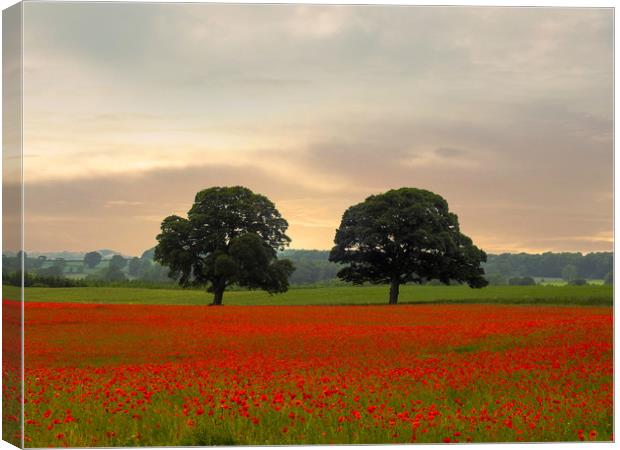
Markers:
(121, 203)
(86, 213)
(449, 152)
(318, 106)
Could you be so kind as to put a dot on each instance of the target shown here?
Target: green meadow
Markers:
(337, 295)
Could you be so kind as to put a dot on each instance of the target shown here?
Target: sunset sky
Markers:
(130, 109)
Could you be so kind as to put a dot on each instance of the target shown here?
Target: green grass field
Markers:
(557, 295)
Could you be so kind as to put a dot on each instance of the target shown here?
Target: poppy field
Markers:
(119, 375)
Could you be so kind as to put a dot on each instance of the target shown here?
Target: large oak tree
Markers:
(405, 235)
(230, 236)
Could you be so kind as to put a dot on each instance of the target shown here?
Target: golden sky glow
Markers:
(130, 109)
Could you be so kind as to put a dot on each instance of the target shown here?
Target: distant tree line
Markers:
(312, 267)
(93, 270)
(568, 266)
(33, 280)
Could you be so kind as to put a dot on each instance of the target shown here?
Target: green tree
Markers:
(117, 262)
(113, 273)
(569, 272)
(609, 278)
(150, 271)
(405, 235)
(38, 263)
(522, 281)
(22, 256)
(92, 259)
(52, 271)
(230, 236)
(134, 266)
(496, 279)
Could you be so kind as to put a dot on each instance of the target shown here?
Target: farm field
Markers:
(113, 375)
(577, 295)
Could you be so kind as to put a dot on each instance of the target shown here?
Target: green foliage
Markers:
(405, 235)
(314, 268)
(131, 292)
(609, 278)
(53, 271)
(569, 272)
(113, 273)
(496, 279)
(92, 259)
(231, 236)
(207, 437)
(148, 254)
(522, 281)
(311, 267)
(35, 263)
(153, 272)
(117, 262)
(578, 282)
(134, 266)
(35, 280)
(549, 265)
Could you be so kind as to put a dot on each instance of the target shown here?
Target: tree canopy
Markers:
(405, 235)
(91, 259)
(230, 236)
(593, 265)
(134, 266)
(117, 262)
(569, 272)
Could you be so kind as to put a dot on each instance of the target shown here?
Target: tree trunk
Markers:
(218, 294)
(394, 288)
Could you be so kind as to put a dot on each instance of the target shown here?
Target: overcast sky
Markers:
(130, 109)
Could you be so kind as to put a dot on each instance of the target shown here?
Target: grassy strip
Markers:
(367, 295)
